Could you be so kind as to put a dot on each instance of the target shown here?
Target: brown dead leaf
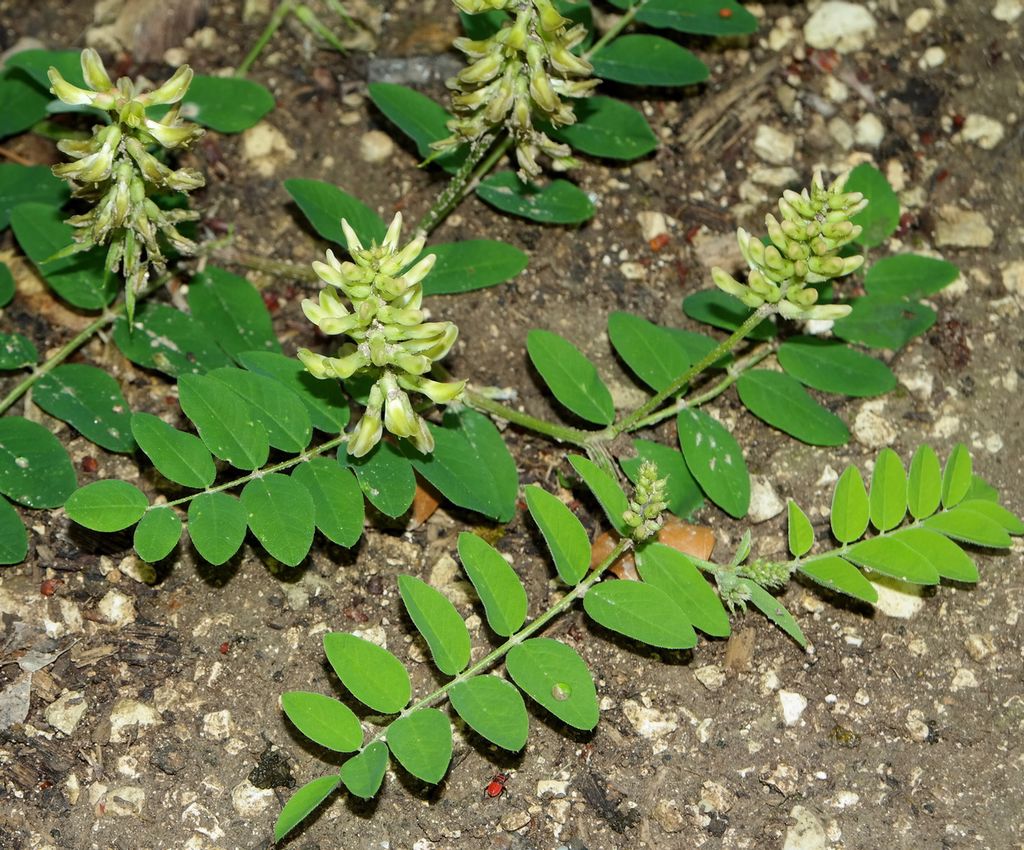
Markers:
(695, 540)
(739, 650)
(36, 297)
(424, 503)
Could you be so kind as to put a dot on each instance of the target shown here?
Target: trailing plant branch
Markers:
(479, 400)
(273, 25)
(613, 31)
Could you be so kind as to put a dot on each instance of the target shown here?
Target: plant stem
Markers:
(535, 625)
(723, 348)
(615, 29)
(481, 159)
(73, 344)
(273, 25)
(277, 268)
(259, 473)
(560, 433)
(732, 375)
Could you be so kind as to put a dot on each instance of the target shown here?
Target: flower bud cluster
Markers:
(647, 504)
(116, 171)
(804, 250)
(376, 302)
(769, 574)
(519, 76)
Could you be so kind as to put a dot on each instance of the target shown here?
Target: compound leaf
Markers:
(280, 514)
(494, 709)
(108, 505)
(372, 674)
(440, 624)
(323, 720)
(553, 675)
(565, 535)
(495, 582)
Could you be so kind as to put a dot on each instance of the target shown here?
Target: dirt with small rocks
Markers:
(153, 719)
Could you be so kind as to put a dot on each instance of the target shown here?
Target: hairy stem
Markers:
(560, 433)
(72, 345)
(295, 460)
(492, 658)
(273, 25)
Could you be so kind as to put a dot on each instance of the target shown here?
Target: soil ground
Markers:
(913, 732)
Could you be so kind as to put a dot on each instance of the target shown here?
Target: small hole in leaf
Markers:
(561, 691)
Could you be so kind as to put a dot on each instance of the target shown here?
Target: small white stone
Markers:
(868, 132)
(649, 722)
(835, 90)
(764, 501)
(917, 727)
(652, 224)
(1013, 277)
(919, 19)
(962, 679)
(265, 148)
(933, 57)
(65, 712)
(979, 646)
(962, 228)
(376, 146)
(552, 787)
(250, 801)
(844, 799)
(985, 132)
(793, 705)
(781, 34)
(774, 146)
(116, 609)
(774, 176)
(806, 833)
(785, 779)
(515, 820)
(125, 802)
(846, 27)
(559, 810)
(217, 725)
(1008, 10)
(946, 427)
(897, 598)
(128, 717)
(715, 797)
(711, 676)
(919, 384)
(633, 271)
(993, 444)
(872, 427)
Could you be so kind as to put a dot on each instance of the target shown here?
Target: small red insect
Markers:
(496, 787)
(225, 648)
(725, 13)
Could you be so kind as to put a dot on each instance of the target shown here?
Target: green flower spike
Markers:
(517, 77)
(116, 171)
(376, 302)
(647, 504)
(815, 225)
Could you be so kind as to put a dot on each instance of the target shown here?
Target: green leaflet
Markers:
(22, 184)
(965, 522)
(35, 469)
(281, 413)
(675, 574)
(892, 557)
(79, 279)
(216, 525)
(850, 507)
(280, 513)
(774, 611)
(605, 489)
(571, 377)
(470, 265)
(565, 535)
(385, 476)
(495, 582)
(372, 674)
(801, 532)
(833, 367)
(607, 127)
(924, 483)
(888, 499)
(323, 720)
(420, 118)
(230, 431)
(224, 104)
(716, 460)
(422, 743)
(956, 477)
(324, 400)
(108, 505)
(157, 533)
(651, 351)
(682, 491)
(440, 624)
(232, 312)
(470, 465)
(13, 536)
(558, 202)
(303, 803)
(780, 401)
(24, 102)
(553, 675)
(882, 215)
(363, 773)
(494, 709)
(995, 512)
(880, 321)
(716, 308)
(948, 559)
(648, 60)
(178, 456)
(338, 508)
(168, 340)
(326, 205)
(89, 400)
(836, 574)
(640, 611)
(701, 17)
(6, 295)
(909, 276)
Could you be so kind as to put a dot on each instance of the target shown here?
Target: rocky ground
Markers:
(153, 719)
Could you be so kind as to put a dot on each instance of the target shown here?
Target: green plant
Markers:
(677, 595)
